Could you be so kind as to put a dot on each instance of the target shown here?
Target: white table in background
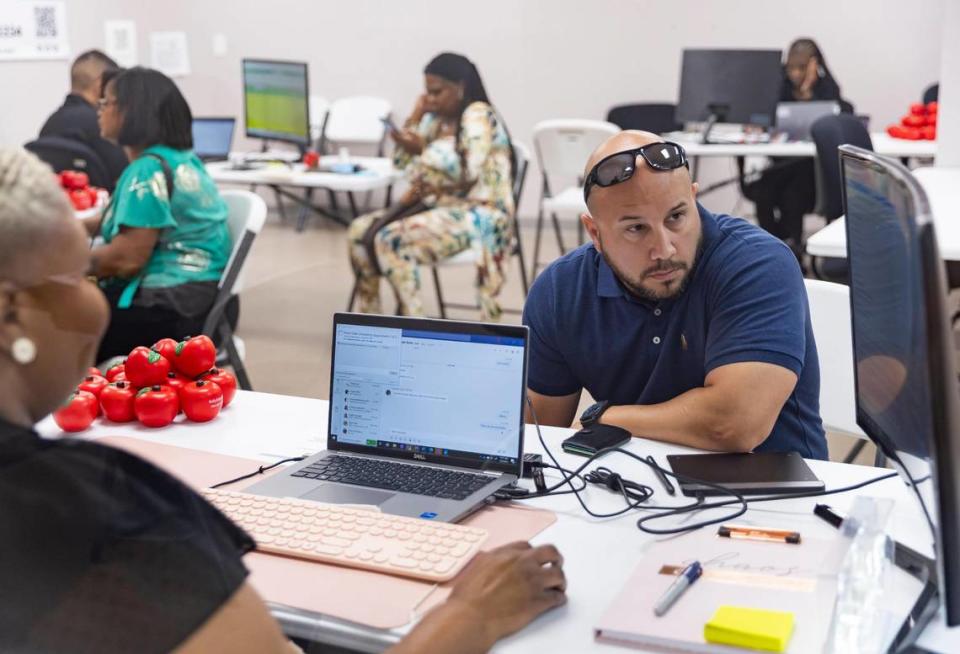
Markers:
(942, 186)
(882, 144)
(378, 173)
(599, 555)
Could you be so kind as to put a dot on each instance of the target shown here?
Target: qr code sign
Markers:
(46, 21)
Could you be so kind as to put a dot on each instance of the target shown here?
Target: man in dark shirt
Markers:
(688, 327)
(77, 118)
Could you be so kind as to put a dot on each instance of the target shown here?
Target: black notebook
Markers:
(749, 474)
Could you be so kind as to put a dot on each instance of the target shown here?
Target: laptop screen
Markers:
(429, 390)
(212, 137)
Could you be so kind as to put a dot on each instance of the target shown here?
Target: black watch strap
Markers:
(591, 415)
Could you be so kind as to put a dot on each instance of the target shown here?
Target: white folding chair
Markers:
(246, 214)
(319, 106)
(469, 256)
(830, 316)
(563, 147)
(356, 121)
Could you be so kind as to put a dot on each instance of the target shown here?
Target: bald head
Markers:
(625, 140)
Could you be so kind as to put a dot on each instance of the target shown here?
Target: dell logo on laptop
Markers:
(419, 457)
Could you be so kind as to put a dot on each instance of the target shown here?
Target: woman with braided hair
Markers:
(457, 155)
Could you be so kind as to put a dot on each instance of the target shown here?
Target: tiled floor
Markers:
(294, 282)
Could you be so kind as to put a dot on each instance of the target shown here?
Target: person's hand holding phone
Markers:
(409, 140)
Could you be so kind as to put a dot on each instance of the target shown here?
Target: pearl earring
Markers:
(24, 350)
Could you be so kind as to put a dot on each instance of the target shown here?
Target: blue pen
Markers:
(689, 575)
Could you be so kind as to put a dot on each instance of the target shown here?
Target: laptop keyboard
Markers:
(400, 477)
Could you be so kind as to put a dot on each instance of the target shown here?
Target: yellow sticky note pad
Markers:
(750, 628)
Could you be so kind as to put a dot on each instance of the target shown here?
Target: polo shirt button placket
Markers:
(656, 340)
(657, 311)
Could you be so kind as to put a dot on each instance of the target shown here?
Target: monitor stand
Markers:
(718, 113)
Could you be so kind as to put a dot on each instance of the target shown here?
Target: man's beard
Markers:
(637, 289)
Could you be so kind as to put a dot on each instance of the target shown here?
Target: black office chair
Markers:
(68, 154)
(932, 94)
(651, 117)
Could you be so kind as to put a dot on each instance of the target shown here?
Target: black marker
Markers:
(829, 515)
(662, 477)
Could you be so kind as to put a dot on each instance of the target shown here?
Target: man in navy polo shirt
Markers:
(686, 326)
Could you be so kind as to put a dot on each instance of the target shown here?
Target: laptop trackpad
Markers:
(340, 494)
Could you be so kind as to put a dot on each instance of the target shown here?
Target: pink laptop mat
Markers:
(367, 598)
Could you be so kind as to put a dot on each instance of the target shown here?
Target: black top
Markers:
(77, 120)
(103, 552)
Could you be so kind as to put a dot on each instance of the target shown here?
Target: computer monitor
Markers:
(732, 86)
(907, 394)
(276, 101)
(212, 138)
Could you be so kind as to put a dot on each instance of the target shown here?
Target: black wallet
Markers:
(590, 440)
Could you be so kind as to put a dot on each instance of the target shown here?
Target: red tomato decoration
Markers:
(194, 356)
(113, 371)
(311, 158)
(79, 199)
(93, 384)
(201, 400)
(225, 380)
(95, 371)
(156, 406)
(176, 381)
(116, 401)
(72, 179)
(167, 347)
(145, 367)
(77, 413)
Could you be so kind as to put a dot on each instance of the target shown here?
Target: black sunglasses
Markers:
(620, 166)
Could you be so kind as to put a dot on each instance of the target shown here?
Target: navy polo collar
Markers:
(609, 286)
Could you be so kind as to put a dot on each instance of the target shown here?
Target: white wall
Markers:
(539, 58)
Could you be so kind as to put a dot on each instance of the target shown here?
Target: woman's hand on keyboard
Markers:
(498, 593)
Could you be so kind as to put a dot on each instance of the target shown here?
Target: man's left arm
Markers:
(734, 411)
(754, 355)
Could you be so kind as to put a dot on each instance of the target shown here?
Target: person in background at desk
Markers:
(102, 551)
(460, 162)
(77, 118)
(787, 191)
(166, 240)
(688, 327)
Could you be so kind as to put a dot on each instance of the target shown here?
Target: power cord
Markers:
(260, 471)
(634, 502)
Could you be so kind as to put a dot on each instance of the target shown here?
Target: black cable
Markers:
(671, 511)
(259, 471)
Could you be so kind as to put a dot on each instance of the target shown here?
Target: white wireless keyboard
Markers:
(409, 547)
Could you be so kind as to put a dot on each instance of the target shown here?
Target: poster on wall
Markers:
(33, 29)
(121, 41)
(168, 53)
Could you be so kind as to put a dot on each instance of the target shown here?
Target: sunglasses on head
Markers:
(620, 166)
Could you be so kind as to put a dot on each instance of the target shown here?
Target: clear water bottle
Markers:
(860, 620)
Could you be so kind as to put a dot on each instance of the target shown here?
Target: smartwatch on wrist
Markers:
(591, 415)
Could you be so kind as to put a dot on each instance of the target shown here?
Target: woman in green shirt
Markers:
(165, 233)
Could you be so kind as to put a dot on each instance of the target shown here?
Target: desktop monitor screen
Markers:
(275, 100)
(212, 137)
(739, 86)
(907, 394)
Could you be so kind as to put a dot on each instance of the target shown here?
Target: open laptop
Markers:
(426, 417)
(795, 118)
(212, 138)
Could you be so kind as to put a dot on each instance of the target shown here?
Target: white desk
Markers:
(882, 144)
(378, 173)
(599, 554)
(942, 186)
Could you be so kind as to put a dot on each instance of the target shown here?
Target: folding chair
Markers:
(247, 212)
